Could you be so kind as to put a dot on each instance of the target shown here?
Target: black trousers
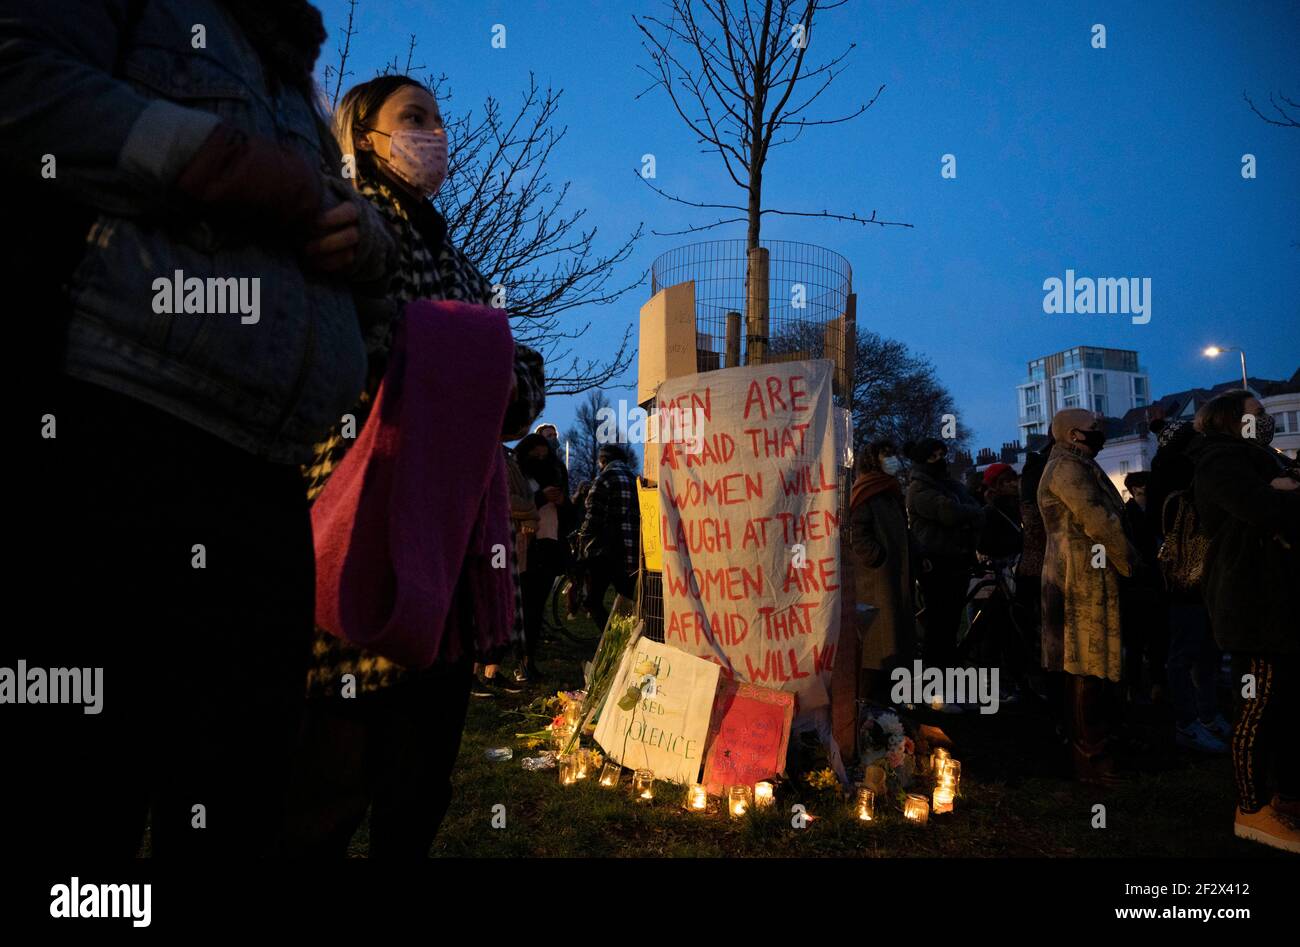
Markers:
(603, 573)
(545, 562)
(183, 567)
(1264, 732)
(944, 588)
(390, 751)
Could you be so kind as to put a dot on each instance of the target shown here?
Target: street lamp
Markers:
(1215, 350)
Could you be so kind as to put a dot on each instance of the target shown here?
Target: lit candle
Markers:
(916, 809)
(643, 785)
(573, 714)
(936, 703)
(568, 769)
(697, 798)
(609, 775)
(942, 799)
(866, 804)
(763, 796)
(937, 759)
(583, 763)
(738, 800)
(951, 775)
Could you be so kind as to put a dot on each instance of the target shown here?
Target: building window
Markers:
(1099, 404)
(1098, 382)
(1072, 401)
(1140, 388)
(1069, 385)
(1123, 467)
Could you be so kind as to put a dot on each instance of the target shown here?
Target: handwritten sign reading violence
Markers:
(748, 735)
(665, 731)
(749, 524)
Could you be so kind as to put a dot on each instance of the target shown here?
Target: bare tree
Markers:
(509, 218)
(897, 395)
(503, 211)
(589, 432)
(736, 76)
(583, 440)
(1286, 119)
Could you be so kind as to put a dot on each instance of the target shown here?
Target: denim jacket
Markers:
(121, 97)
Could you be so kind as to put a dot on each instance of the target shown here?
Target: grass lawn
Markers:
(1016, 799)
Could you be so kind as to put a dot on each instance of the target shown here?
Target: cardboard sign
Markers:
(665, 731)
(649, 499)
(748, 735)
(749, 494)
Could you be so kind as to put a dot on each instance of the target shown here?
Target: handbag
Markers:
(1183, 550)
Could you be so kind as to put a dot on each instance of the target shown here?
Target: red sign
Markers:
(749, 733)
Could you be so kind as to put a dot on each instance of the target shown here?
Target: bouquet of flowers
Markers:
(562, 711)
(885, 744)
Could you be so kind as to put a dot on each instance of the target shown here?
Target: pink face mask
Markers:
(419, 158)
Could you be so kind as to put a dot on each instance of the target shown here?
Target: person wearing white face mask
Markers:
(391, 747)
(882, 567)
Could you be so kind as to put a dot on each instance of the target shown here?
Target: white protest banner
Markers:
(666, 728)
(749, 512)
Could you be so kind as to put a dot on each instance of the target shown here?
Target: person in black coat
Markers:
(1250, 511)
(945, 521)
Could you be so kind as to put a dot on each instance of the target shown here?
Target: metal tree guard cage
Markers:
(743, 319)
(802, 309)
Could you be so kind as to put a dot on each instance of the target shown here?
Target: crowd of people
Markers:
(172, 535)
(1092, 604)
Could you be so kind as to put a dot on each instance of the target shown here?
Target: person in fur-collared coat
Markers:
(1082, 511)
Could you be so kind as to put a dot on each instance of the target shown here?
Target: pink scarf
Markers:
(408, 525)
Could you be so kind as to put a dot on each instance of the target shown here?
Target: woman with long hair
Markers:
(1249, 506)
(391, 749)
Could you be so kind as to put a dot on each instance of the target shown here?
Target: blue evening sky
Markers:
(1123, 161)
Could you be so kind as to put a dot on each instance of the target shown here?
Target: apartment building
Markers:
(1107, 381)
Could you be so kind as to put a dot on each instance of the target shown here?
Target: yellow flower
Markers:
(822, 779)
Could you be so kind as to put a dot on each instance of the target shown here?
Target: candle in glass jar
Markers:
(584, 763)
(937, 760)
(865, 805)
(942, 799)
(738, 800)
(643, 785)
(609, 775)
(951, 776)
(916, 809)
(572, 714)
(568, 769)
(763, 796)
(697, 798)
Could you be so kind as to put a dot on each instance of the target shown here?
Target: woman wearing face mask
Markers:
(882, 567)
(1087, 553)
(946, 521)
(1251, 585)
(391, 748)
